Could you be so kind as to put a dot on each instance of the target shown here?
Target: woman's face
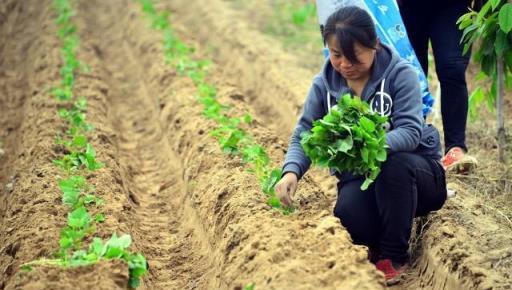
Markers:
(351, 71)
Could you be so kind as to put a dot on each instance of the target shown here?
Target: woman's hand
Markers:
(286, 187)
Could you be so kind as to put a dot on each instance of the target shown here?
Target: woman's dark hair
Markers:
(351, 24)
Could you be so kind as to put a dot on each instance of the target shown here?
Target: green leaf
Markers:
(137, 265)
(344, 145)
(89, 198)
(300, 16)
(367, 124)
(494, 4)
(364, 154)
(90, 151)
(79, 141)
(381, 155)
(274, 202)
(97, 247)
(468, 32)
(99, 218)
(247, 118)
(65, 242)
(71, 188)
(505, 17)
(271, 181)
(121, 242)
(484, 11)
(79, 218)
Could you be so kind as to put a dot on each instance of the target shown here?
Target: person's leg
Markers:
(357, 211)
(415, 20)
(408, 184)
(451, 67)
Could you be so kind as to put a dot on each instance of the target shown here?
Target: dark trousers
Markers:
(424, 21)
(381, 217)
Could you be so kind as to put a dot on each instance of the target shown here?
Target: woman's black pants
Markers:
(409, 185)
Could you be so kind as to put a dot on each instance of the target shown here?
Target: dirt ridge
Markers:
(212, 23)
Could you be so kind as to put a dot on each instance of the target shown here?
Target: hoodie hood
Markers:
(385, 61)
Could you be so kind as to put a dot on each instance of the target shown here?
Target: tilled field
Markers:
(195, 213)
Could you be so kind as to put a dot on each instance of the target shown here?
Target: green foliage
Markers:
(63, 93)
(268, 182)
(76, 192)
(115, 248)
(289, 15)
(85, 159)
(491, 27)
(67, 34)
(301, 14)
(78, 227)
(250, 286)
(350, 138)
(505, 17)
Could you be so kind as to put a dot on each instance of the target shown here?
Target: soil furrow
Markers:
(31, 209)
(173, 244)
(13, 83)
(28, 123)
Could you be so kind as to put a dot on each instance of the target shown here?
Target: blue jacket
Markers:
(393, 90)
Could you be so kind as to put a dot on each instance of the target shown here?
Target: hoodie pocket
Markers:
(430, 144)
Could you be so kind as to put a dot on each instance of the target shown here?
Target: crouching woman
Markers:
(412, 180)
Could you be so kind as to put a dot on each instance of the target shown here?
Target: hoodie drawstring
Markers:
(382, 97)
(328, 102)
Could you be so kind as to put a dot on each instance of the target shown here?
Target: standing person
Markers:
(436, 21)
(412, 181)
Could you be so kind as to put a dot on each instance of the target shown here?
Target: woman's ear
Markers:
(377, 44)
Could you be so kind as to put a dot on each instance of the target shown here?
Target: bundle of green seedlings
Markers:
(350, 138)
(230, 134)
(78, 161)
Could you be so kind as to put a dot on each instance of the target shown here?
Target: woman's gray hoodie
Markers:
(393, 90)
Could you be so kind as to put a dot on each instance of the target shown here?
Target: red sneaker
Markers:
(458, 161)
(393, 273)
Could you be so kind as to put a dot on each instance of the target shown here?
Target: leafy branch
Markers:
(491, 27)
(349, 138)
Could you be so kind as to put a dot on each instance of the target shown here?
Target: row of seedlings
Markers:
(232, 138)
(78, 161)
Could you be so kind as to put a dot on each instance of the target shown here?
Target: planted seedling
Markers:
(80, 159)
(76, 192)
(115, 248)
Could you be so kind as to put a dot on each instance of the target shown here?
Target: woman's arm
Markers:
(407, 116)
(296, 160)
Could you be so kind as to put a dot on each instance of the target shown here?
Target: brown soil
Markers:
(195, 213)
(462, 258)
